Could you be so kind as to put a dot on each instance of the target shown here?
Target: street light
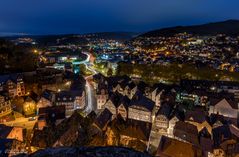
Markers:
(35, 51)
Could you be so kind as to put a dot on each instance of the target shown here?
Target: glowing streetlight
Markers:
(35, 51)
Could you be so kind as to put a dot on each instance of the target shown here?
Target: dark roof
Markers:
(195, 116)
(102, 120)
(161, 86)
(186, 131)
(171, 147)
(165, 109)
(98, 76)
(115, 98)
(225, 132)
(12, 77)
(137, 129)
(214, 102)
(78, 84)
(216, 119)
(53, 112)
(65, 94)
(177, 113)
(34, 96)
(47, 94)
(131, 85)
(102, 87)
(125, 101)
(140, 100)
(187, 127)
(4, 131)
(204, 133)
(206, 144)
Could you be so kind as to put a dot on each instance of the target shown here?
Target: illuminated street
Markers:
(91, 100)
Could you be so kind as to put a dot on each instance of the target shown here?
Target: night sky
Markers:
(83, 16)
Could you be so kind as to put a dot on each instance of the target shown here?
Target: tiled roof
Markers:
(140, 100)
(102, 120)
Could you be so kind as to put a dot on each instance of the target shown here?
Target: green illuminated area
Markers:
(172, 73)
(105, 68)
(84, 71)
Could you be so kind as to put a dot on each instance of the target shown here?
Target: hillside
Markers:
(15, 58)
(80, 39)
(230, 27)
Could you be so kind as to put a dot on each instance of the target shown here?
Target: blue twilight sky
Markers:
(82, 16)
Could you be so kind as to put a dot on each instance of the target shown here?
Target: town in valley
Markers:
(170, 92)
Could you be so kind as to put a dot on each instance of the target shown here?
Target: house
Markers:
(49, 78)
(225, 133)
(206, 142)
(101, 96)
(29, 105)
(102, 120)
(126, 87)
(176, 148)
(141, 108)
(175, 117)
(219, 120)
(224, 107)
(119, 87)
(130, 89)
(158, 97)
(5, 105)
(113, 103)
(50, 114)
(64, 98)
(46, 100)
(162, 119)
(72, 100)
(199, 119)
(226, 137)
(135, 132)
(7, 132)
(122, 109)
(186, 132)
(13, 84)
(156, 93)
(219, 152)
(79, 98)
